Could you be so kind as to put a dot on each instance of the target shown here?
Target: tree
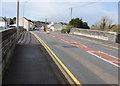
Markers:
(107, 23)
(11, 21)
(85, 25)
(104, 24)
(14, 18)
(78, 23)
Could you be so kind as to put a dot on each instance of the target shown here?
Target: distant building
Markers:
(26, 24)
(57, 26)
(3, 23)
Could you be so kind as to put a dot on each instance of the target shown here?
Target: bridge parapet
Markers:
(8, 40)
(103, 35)
(8, 43)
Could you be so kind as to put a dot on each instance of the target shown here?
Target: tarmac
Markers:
(31, 64)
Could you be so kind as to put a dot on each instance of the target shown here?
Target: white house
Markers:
(32, 25)
(57, 26)
(26, 24)
(51, 26)
(3, 23)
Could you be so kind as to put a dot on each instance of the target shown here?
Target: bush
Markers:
(115, 28)
(67, 29)
(63, 31)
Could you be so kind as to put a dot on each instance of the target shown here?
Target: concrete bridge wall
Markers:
(8, 40)
(9, 37)
(104, 35)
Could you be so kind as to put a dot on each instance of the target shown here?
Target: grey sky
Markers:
(90, 12)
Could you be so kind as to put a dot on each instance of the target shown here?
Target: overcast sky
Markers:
(90, 12)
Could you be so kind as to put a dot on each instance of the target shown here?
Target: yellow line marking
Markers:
(70, 81)
(54, 57)
(96, 42)
(64, 73)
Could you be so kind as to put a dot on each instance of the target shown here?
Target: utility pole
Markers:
(24, 11)
(45, 25)
(71, 13)
(17, 18)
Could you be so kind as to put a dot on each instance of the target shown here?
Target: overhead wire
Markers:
(60, 14)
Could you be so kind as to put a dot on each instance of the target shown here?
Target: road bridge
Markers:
(53, 58)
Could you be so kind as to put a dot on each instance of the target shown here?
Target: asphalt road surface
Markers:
(90, 60)
(31, 65)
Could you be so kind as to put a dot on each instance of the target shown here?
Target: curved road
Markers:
(91, 61)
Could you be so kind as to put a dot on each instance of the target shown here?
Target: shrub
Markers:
(63, 31)
(67, 29)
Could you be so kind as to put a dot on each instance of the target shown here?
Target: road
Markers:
(91, 61)
(31, 64)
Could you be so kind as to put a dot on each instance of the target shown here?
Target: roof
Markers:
(27, 19)
(2, 18)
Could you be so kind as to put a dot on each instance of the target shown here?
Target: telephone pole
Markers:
(71, 13)
(17, 18)
(24, 12)
(45, 26)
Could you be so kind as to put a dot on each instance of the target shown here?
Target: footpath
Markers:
(31, 64)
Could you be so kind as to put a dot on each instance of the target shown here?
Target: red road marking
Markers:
(105, 56)
(118, 63)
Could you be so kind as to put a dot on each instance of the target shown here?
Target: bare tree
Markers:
(105, 23)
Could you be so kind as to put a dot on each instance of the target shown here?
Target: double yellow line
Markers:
(66, 72)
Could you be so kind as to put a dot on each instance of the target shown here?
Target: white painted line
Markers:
(109, 55)
(104, 59)
(74, 42)
(116, 61)
(91, 51)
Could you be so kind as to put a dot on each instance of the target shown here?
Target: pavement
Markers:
(31, 64)
(89, 69)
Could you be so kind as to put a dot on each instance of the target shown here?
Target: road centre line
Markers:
(62, 67)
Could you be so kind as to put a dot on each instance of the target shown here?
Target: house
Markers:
(26, 24)
(3, 23)
(57, 26)
(32, 25)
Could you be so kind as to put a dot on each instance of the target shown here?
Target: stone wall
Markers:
(8, 40)
(103, 35)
